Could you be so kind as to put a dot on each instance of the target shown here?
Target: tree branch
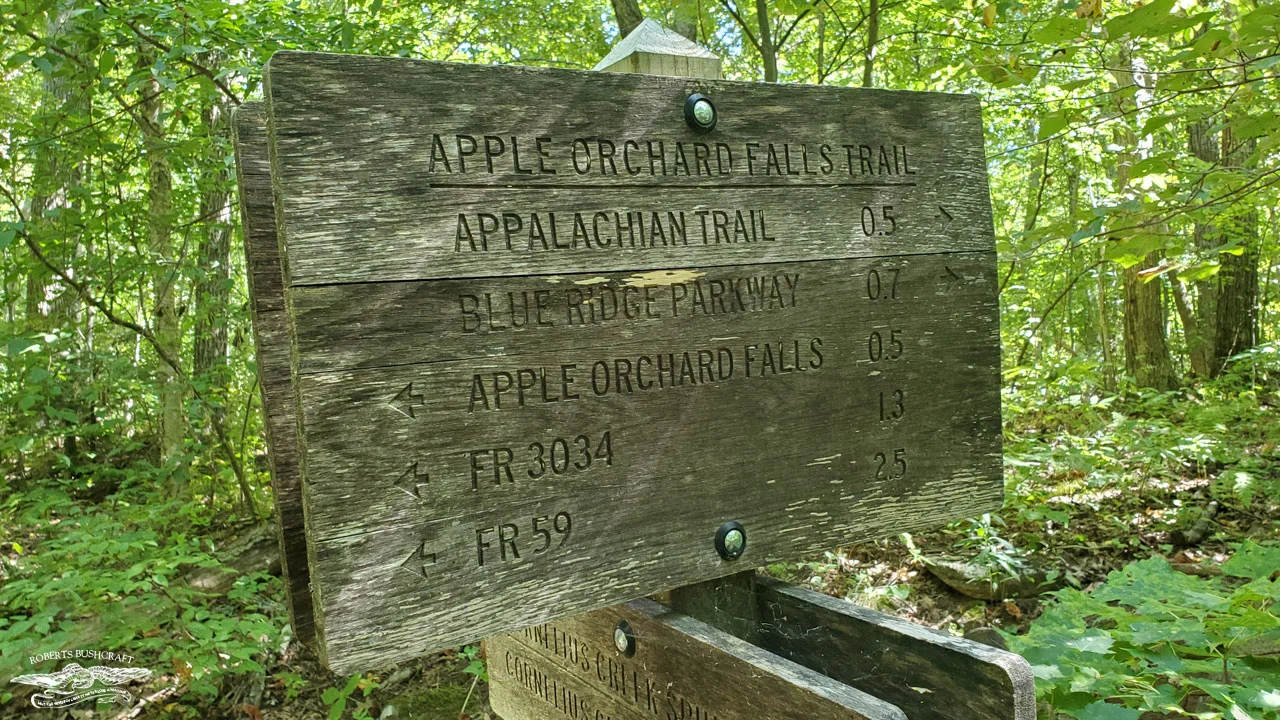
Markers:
(212, 76)
(746, 30)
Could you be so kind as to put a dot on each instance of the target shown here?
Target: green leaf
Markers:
(1108, 711)
(1178, 630)
(1047, 672)
(1238, 713)
(1097, 641)
(1132, 250)
(107, 62)
(1266, 124)
(1149, 166)
(1151, 20)
(1201, 271)
(1158, 122)
(1061, 30)
(1253, 561)
(6, 237)
(1052, 124)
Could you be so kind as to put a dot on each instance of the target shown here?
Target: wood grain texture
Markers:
(271, 339)
(929, 674)
(463, 480)
(681, 668)
(353, 139)
(728, 603)
(793, 456)
(349, 327)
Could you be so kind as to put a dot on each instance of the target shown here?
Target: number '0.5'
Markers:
(880, 347)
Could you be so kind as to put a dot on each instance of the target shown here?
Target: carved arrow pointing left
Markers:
(411, 480)
(406, 400)
(419, 561)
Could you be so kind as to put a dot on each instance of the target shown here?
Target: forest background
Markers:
(1135, 176)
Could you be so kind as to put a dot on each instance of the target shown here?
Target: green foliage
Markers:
(1154, 640)
(337, 698)
(112, 582)
(475, 663)
(982, 541)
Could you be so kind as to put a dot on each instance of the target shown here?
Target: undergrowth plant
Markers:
(1154, 640)
(78, 578)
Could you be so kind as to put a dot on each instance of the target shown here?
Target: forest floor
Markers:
(1093, 484)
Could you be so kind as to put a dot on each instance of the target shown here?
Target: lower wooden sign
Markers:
(931, 675)
(642, 661)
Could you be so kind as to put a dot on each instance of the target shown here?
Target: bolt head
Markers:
(731, 540)
(734, 541)
(704, 112)
(624, 639)
(700, 113)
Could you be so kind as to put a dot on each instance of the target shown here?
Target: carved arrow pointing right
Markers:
(405, 400)
(411, 480)
(951, 278)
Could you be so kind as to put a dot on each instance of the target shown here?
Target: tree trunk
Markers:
(873, 38)
(164, 316)
(686, 19)
(628, 15)
(1193, 334)
(1104, 332)
(1146, 347)
(768, 53)
(1205, 145)
(1236, 313)
(1146, 350)
(214, 257)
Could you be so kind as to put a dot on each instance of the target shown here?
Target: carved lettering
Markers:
(503, 542)
(600, 157)
(606, 230)
(646, 373)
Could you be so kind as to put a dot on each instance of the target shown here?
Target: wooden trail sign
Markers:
(549, 338)
(930, 675)
(271, 339)
(676, 667)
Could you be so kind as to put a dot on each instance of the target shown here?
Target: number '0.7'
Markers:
(882, 284)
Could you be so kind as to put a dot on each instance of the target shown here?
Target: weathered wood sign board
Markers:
(271, 338)
(548, 338)
(677, 667)
(930, 675)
